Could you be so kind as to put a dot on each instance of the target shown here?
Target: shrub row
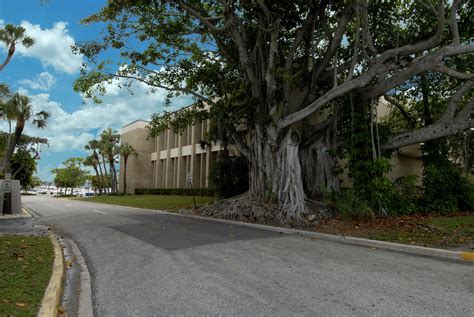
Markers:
(205, 192)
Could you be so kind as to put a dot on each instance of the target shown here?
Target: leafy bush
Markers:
(230, 175)
(445, 189)
(350, 204)
(205, 192)
(64, 196)
(385, 197)
(407, 186)
(114, 194)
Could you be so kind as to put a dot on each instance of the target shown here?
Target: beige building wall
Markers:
(166, 161)
(138, 166)
(405, 162)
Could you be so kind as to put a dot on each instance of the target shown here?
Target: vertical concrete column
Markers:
(192, 168)
(168, 167)
(196, 160)
(208, 155)
(158, 162)
(179, 172)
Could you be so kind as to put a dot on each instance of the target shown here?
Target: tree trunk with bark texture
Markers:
(319, 175)
(276, 173)
(107, 179)
(101, 180)
(97, 176)
(125, 175)
(113, 176)
(11, 146)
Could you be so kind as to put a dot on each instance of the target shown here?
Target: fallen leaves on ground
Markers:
(22, 305)
(68, 263)
(427, 230)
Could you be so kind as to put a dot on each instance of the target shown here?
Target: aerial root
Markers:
(244, 208)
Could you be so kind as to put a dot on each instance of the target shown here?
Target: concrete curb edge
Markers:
(30, 212)
(463, 256)
(85, 308)
(52, 296)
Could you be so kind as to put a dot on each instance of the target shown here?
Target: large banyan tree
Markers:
(294, 74)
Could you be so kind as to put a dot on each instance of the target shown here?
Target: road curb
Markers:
(30, 212)
(459, 256)
(52, 296)
(25, 214)
(462, 256)
(85, 308)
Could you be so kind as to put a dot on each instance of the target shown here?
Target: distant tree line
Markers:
(104, 154)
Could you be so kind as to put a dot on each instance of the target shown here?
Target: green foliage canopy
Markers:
(71, 175)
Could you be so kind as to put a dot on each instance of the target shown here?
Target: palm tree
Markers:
(109, 140)
(107, 184)
(91, 161)
(4, 91)
(8, 112)
(125, 151)
(19, 109)
(4, 97)
(11, 35)
(94, 146)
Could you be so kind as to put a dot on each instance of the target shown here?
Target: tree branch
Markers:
(154, 84)
(434, 131)
(430, 61)
(453, 24)
(334, 45)
(420, 46)
(355, 53)
(204, 20)
(400, 108)
(452, 73)
(243, 148)
(272, 56)
(455, 100)
(385, 82)
(333, 93)
(362, 8)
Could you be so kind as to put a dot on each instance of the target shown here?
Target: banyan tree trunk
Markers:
(275, 173)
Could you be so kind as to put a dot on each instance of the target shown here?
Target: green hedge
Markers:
(205, 192)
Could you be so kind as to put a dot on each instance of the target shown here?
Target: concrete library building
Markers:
(169, 160)
(173, 160)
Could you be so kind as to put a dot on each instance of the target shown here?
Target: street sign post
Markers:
(7, 186)
(189, 181)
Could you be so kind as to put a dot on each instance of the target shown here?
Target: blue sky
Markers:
(46, 72)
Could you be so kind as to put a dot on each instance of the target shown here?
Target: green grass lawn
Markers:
(25, 268)
(151, 201)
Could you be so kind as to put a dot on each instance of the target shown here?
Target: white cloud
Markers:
(44, 81)
(52, 47)
(72, 130)
(44, 171)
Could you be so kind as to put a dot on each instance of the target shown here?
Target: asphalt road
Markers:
(147, 263)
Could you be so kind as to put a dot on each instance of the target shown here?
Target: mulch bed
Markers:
(420, 229)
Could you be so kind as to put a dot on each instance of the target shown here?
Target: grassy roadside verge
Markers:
(160, 202)
(455, 231)
(25, 269)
